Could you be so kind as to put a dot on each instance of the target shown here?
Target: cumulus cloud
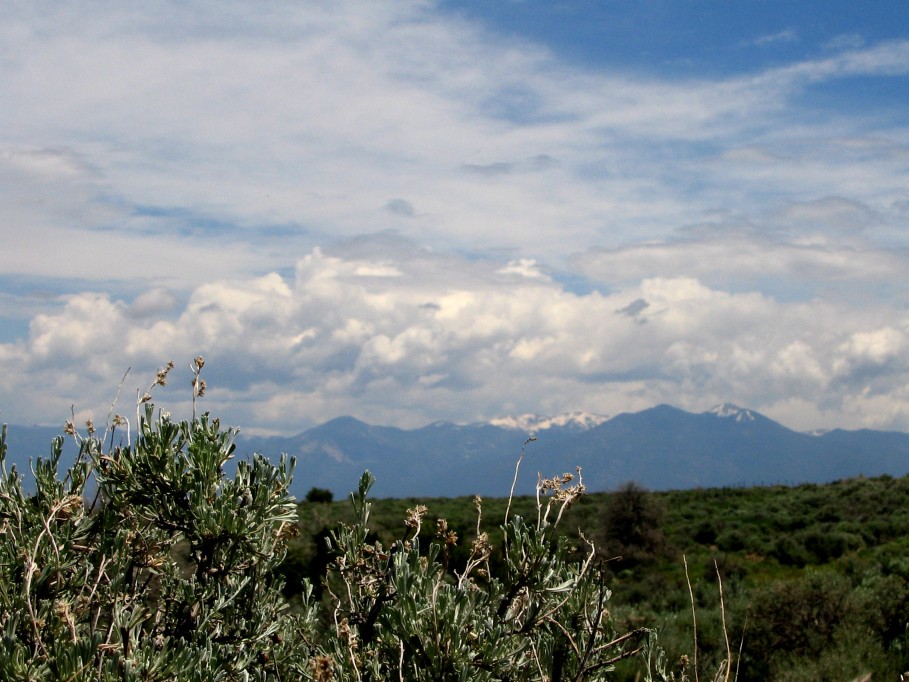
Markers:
(156, 301)
(468, 341)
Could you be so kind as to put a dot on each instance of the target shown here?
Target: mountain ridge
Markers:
(662, 447)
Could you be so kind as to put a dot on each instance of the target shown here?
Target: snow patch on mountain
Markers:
(531, 423)
(730, 411)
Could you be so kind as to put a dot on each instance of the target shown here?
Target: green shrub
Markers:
(145, 562)
(798, 618)
(167, 575)
(400, 611)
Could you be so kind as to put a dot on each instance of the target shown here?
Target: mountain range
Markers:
(660, 448)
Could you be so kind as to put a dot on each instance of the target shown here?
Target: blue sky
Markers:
(689, 37)
(413, 211)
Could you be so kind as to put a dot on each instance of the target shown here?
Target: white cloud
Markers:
(785, 36)
(466, 343)
(156, 301)
(799, 269)
(829, 214)
(320, 116)
(370, 208)
(866, 355)
(523, 267)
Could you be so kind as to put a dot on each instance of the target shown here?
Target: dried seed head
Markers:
(481, 546)
(443, 533)
(415, 516)
(62, 609)
(161, 376)
(322, 668)
(348, 633)
(72, 505)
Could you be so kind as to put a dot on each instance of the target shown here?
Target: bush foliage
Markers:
(786, 556)
(168, 574)
(143, 561)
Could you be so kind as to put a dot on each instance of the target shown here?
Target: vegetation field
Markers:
(814, 578)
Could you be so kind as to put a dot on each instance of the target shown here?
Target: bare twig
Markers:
(536, 658)
(723, 615)
(31, 567)
(108, 426)
(694, 618)
(514, 482)
(91, 596)
(741, 646)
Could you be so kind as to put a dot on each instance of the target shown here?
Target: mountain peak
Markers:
(731, 411)
(580, 421)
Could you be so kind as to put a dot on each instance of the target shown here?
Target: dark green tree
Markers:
(319, 496)
(632, 525)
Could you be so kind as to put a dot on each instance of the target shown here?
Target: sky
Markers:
(435, 210)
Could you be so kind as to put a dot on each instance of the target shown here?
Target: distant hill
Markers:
(661, 448)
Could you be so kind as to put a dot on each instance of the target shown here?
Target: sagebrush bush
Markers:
(144, 561)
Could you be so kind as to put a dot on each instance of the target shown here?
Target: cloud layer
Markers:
(391, 211)
(406, 336)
